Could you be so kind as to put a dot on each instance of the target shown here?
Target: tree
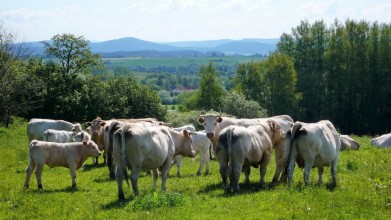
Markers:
(73, 53)
(17, 86)
(211, 92)
(237, 105)
(281, 79)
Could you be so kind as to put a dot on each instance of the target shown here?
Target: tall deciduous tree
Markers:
(210, 94)
(73, 53)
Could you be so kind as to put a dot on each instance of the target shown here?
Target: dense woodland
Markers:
(339, 72)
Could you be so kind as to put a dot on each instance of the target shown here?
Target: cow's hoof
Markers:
(74, 185)
(26, 186)
(40, 186)
(198, 173)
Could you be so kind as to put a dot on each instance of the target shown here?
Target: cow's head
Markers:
(92, 149)
(96, 126)
(209, 122)
(186, 146)
(76, 128)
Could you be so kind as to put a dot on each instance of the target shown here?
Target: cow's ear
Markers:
(219, 119)
(200, 120)
(185, 133)
(102, 123)
(89, 123)
(272, 125)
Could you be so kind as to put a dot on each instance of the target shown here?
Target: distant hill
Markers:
(131, 46)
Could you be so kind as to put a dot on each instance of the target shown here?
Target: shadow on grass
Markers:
(116, 204)
(88, 167)
(252, 187)
(68, 189)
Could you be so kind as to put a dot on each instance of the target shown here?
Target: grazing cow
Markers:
(82, 136)
(348, 143)
(51, 135)
(214, 124)
(36, 127)
(382, 141)
(108, 137)
(97, 134)
(147, 148)
(238, 148)
(71, 155)
(314, 145)
(201, 145)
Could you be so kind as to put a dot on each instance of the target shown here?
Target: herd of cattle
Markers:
(150, 145)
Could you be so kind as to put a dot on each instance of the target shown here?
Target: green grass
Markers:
(363, 191)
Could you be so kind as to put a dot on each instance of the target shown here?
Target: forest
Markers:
(340, 72)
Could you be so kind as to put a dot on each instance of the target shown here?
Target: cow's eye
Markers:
(215, 123)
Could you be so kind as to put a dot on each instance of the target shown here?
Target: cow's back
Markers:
(36, 127)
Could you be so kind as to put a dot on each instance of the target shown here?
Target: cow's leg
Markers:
(207, 163)
(134, 178)
(320, 173)
(246, 170)
(279, 156)
(178, 161)
(119, 175)
(164, 174)
(334, 171)
(38, 175)
(202, 162)
(224, 174)
(155, 177)
(72, 170)
(263, 168)
(29, 170)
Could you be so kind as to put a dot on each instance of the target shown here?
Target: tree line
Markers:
(340, 73)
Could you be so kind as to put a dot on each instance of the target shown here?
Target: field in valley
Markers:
(363, 191)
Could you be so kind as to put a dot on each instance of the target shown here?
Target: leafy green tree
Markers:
(237, 105)
(73, 53)
(280, 80)
(210, 93)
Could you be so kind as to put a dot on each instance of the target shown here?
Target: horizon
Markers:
(165, 21)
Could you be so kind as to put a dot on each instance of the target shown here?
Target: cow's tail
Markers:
(31, 146)
(229, 148)
(123, 153)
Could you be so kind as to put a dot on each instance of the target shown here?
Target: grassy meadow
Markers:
(363, 191)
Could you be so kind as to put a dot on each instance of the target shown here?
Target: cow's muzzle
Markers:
(210, 135)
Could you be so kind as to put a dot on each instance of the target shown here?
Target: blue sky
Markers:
(178, 20)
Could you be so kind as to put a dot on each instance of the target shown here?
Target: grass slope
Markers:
(363, 191)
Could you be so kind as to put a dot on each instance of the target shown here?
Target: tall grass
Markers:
(363, 191)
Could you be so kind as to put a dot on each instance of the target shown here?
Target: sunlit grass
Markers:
(363, 191)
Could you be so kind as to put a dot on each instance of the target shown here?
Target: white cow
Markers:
(52, 135)
(189, 127)
(213, 124)
(348, 143)
(382, 141)
(71, 155)
(239, 147)
(314, 145)
(36, 127)
(201, 145)
(147, 148)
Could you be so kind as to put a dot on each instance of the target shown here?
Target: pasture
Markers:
(363, 190)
